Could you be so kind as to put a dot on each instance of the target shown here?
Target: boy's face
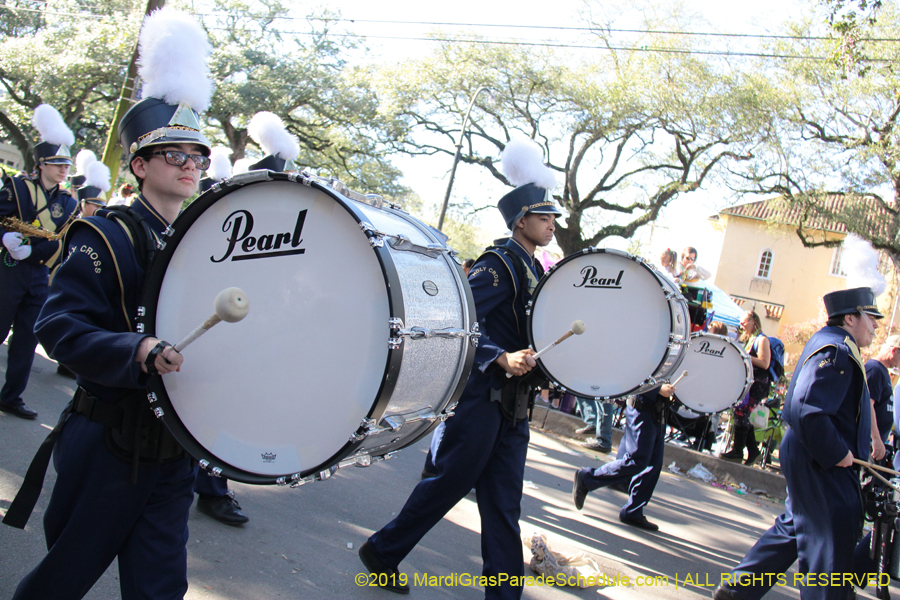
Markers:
(170, 181)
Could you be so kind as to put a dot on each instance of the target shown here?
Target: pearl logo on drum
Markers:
(709, 351)
(239, 225)
(589, 273)
(268, 457)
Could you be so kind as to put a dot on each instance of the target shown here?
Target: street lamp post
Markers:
(459, 142)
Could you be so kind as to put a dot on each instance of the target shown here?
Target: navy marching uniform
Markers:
(24, 283)
(101, 507)
(485, 443)
(124, 485)
(639, 461)
(827, 409)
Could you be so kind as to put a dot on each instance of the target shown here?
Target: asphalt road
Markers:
(302, 543)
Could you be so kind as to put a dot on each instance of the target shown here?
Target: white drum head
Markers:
(282, 390)
(627, 318)
(719, 374)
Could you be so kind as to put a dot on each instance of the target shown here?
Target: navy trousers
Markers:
(827, 514)
(23, 290)
(207, 485)
(773, 553)
(479, 449)
(639, 463)
(96, 513)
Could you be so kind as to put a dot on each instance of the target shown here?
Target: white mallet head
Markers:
(232, 304)
(578, 327)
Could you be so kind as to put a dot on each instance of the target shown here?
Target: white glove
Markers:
(15, 243)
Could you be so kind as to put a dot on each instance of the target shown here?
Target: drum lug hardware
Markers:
(139, 328)
(394, 422)
(474, 334)
(402, 243)
(376, 238)
(368, 427)
(169, 232)
(141, 311)
(214, 471)
(158, 412)
(151, 397)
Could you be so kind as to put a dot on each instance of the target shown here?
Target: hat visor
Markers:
(57, 160)
(872, 311)
(94, 201)
(179, 136)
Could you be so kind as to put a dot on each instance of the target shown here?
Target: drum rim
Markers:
(593, 250)
(152, 287)
(748, 368)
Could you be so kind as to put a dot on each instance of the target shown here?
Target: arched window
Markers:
(765, 264)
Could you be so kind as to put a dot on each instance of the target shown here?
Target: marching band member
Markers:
(280, 146)
(124, 485)
(485, 442)
(96, 183)
(214, 499)
(640, 459)
(28, 260)
(828, 411)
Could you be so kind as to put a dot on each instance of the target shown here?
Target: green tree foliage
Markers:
(627, 131)
(834, 151)
(71, 55)
(297, 70)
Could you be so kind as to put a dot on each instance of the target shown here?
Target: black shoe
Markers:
(64, 371)
(725, 593)
(733, 456)
(391, 577)
(579, 491)
(18, 410)
(224, 509)
(597, 447)
(751, 460)
(641, 522)
(585, 429)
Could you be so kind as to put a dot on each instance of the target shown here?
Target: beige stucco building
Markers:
(764, 265)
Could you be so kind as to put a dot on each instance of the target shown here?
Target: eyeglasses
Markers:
(688, 258)
(177, 159)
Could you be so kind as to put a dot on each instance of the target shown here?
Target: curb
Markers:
(772, 484)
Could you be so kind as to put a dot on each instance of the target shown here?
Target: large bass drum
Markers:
(636, 324)
(360, 336)
(719, 374)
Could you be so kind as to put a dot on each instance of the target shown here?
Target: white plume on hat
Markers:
(269, 131)
(522, 162)
(242, 165)
(860, 262)
(51, 126)
(173, 50)
(83, 160)
(220, 163)
(97, 176)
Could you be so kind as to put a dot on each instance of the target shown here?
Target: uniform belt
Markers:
(97, 410)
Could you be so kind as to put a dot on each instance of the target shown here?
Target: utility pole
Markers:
(112, 152)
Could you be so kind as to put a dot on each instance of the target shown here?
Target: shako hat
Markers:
(280, 146)
(219, 167)
(83, 160)
(96, 183)
(522, 164)
(848, 302)
(56, 137)
(173, 50)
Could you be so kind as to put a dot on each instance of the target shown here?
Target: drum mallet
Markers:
(680, 377)
(231, 305)
(577, 329)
